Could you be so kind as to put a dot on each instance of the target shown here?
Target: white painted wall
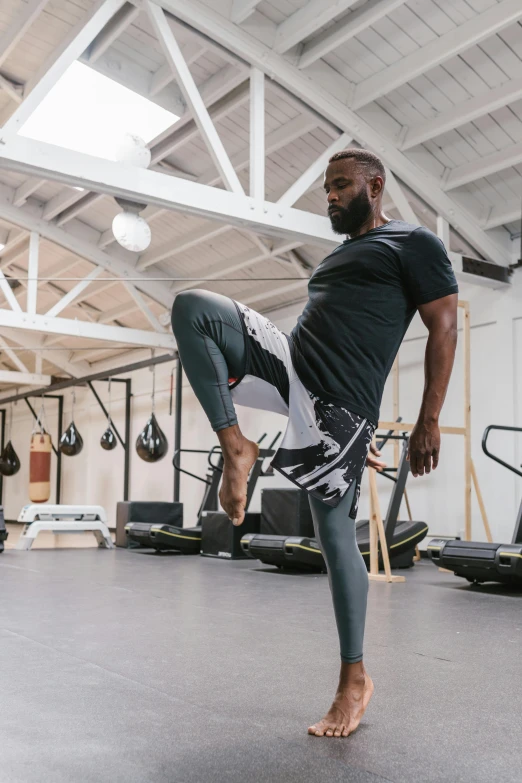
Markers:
(96, 476)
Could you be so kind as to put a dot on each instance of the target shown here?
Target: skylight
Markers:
(88, 112)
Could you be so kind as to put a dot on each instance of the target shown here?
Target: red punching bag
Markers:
(40, 464)
(40, 468)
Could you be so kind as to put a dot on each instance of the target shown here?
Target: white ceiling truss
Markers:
(265, 96)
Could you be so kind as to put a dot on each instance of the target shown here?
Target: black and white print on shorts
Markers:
(325, 446)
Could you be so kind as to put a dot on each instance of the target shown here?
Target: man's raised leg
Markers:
(211, 344)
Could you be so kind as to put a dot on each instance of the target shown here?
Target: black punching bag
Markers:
(152, 445)
(108, 439)
(71, 442)
(9, 462)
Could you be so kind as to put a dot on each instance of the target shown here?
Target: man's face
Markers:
(348, 193)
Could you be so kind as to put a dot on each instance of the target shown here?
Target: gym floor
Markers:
(128, 666)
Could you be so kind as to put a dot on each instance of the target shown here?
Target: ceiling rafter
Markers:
(144, 185)
(77, 244)
(242, 9)
(462, 37)
(306, 21)
(354, 24)
(19, 27)
(463, 112)
(306, 88)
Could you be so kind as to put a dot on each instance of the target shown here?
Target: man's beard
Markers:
(348, 221)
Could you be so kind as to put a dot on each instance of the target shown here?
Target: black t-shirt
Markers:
(362, 298)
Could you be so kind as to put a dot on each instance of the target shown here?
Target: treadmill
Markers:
(479, 561)
(187, 540)
(303, 554)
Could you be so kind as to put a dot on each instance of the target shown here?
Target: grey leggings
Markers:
(212, 347)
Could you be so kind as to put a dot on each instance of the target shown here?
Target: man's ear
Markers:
(377, 186)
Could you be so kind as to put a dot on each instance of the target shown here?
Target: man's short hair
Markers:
(373, 165)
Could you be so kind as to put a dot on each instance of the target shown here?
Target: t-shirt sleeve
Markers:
(426, 268)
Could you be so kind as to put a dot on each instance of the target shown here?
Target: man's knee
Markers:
(188, 305)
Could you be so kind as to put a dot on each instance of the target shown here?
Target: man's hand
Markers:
(371, 462)
(424, 448)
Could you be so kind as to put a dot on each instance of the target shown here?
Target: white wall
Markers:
(96, 476)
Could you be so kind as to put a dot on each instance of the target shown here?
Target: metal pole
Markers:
(99, 376)
(177, 425)
(3, 412)
(59, 453)
(126, 468)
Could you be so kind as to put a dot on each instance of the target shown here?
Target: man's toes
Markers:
(345, 731)
(329, 732)
(337, 732)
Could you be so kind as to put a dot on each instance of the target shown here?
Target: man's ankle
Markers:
(352, 673)
(232, 441)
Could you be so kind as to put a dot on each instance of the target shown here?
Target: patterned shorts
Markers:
(325, 446)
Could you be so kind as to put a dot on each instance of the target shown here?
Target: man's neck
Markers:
(376, 220)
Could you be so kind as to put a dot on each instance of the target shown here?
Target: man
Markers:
(328, 377)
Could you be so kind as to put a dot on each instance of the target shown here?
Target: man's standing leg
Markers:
(348, 578)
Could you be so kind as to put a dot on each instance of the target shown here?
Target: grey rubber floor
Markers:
(140, 668)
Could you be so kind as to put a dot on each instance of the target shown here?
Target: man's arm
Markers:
(440, 318)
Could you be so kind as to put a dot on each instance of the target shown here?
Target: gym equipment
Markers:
(152, 444)
(3, 532)
(40, 467)
(286, 512)
(108, 440)
(9, 462)
(479, 561)
(168, 533)
(303, 553)
(220, 538)
(63, 519)
(71, 442)
(133, 520)
(187, 540)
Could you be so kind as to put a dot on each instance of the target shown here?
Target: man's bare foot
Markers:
(239, 455)
(353, 695)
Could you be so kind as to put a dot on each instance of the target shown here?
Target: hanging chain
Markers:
(153, 384)
(40, 419)
(73, 403)
(10, 423)
(109, 419)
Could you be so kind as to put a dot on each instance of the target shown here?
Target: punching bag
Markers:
(152, 444)
(108, 440)
(9, 462)
(71, 442)
(40, 467)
